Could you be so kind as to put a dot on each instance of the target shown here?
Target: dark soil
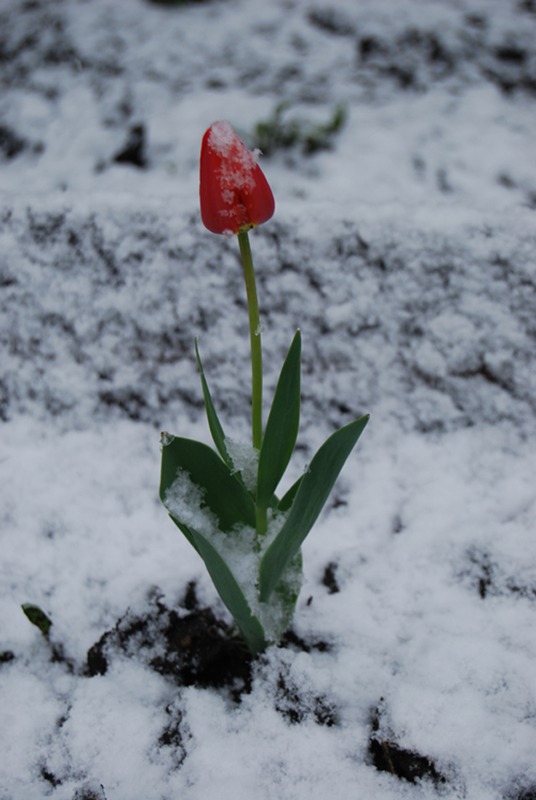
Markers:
(488, 577)
(134, 152)
(190, 645)
(90, 792)
(525, 794)
(6, 656)
(389, 756)
(296, 706)
(329, 578)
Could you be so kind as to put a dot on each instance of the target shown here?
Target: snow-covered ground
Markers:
(406, 254)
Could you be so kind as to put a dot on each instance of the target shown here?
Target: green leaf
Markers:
(37, 617)
(282, 426)
(288, 498)
(311, 495)
(231, 503)
(287, 591)
(186, 530)
(228, 588)
(214, 424)
(225, 496)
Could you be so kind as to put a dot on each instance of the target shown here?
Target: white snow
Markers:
(240, 548)
(245, 460)
(186, 501)
(405, 253)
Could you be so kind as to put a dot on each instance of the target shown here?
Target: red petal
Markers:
(233, 191)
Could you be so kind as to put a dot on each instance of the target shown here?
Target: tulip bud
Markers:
(233, 191)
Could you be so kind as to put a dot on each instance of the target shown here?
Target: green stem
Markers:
(256, 358)
(255, 339)
(261, 520)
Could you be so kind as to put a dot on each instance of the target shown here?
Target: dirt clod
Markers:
(389, 756)
(190, 646)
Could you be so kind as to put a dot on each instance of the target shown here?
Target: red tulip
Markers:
(233, 191)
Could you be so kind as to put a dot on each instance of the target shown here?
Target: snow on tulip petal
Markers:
(233, 191)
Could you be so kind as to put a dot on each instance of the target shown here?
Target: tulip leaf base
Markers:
(249, 539)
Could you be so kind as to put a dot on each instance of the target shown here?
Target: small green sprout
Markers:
(279, 132)
(38, 618)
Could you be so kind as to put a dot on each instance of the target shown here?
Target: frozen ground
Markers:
(406, 254)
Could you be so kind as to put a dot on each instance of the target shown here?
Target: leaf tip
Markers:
(37, 617)
(166, 438)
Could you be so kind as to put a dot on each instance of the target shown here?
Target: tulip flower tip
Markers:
(234, 194)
